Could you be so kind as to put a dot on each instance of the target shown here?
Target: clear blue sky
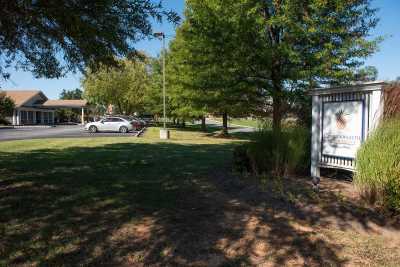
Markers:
(386, 60)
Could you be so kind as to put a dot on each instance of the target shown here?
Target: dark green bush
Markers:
(275, 154)
(3, 121)
(241, 161)
(378, 166)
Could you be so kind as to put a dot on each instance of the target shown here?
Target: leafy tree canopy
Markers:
(201, 79)
(280, 46)
(124, 87)
(153, 101)
(50, 37)
(71, 94)
(6, 105)
(366, 74)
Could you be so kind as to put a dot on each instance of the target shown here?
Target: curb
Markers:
(140, 132)
(33, 126)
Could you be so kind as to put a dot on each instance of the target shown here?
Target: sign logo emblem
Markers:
(341, 121)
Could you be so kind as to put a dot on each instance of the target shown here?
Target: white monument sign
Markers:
(342, 129)
(342, 117)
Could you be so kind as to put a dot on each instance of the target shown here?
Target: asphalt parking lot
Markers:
(68, 131)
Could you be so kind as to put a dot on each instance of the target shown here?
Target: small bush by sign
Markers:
(378, 166)
(275, 154)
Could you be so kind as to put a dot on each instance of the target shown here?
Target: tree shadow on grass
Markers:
(215, 131)
(149, 205)
(64, 205)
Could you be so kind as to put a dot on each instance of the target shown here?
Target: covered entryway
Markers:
(81, 105)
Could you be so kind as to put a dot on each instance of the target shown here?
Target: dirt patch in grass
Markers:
(237, 223)
(224, 221)
(329, 228)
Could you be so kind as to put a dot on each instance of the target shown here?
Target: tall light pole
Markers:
(164, 133)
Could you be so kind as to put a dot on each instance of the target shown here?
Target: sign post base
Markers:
(164, 134)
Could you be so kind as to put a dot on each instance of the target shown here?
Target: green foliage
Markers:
(71, 94)
(277, 46)
(275, 154)
(391, 194)
(367, 74)
(120, 179)
(68, 115)
(49, 38)
(153, 101)
(301, 108)
(299, 143)
(378, 166)
(200, 80)
(391, 99)
(3, 121)
(185, 102)
(124, 87)
(6, 106)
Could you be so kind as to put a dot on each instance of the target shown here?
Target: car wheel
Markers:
(123, 129)
(93, 129)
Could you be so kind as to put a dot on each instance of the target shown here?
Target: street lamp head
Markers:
(159, 34)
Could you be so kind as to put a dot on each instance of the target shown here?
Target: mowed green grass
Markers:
(127, 201)
(246, 122)
(61, 198)
(254, 123)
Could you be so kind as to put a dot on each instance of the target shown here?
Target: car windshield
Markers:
(131, 118)
(124, 117)
(113, 118)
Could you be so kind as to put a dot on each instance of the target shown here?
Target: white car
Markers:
(111, 124)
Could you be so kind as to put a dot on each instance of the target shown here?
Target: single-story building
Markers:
(32, 107)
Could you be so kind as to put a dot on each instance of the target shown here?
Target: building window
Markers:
(38, 117)
(24, 117)
(30, 117)
(46, 117)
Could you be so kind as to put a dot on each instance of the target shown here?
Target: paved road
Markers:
(232, 127)
(53, 132)
(78, 131)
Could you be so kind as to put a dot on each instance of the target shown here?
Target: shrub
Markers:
(275, 154)
(3, 121)
(241, 161)
(378, 166)
(391, 100)
(6, 105)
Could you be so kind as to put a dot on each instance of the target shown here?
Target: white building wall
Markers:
(14, 120)
(18, 117)
(377, 107)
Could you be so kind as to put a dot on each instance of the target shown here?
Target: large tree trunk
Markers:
(277, 99)
(277, 114)
(203, 124)
(119, 106)
(225, 123)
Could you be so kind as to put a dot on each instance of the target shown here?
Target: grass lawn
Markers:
(144, 202)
